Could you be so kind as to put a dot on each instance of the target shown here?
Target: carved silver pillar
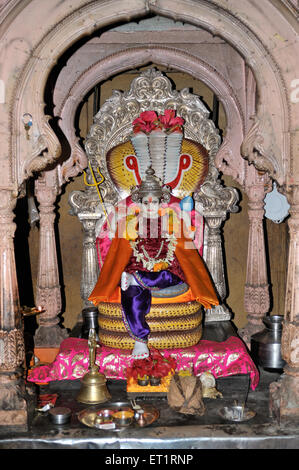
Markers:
(84, 204)
(214, 260)
(213, 255)
(216, 202)
(48, 293)
(90, 267)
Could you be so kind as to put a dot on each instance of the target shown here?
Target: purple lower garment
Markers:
(136, 300)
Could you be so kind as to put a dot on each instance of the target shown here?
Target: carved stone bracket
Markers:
(254, 149)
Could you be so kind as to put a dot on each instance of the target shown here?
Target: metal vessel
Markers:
(90, 321)
(266, 344)
(60, 415)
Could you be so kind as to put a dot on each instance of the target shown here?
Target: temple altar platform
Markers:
(171, 431)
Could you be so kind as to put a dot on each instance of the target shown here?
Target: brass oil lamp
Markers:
(93, 385)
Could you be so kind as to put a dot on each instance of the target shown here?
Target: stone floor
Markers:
(172, 430)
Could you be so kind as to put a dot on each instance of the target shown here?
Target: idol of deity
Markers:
(151, 251)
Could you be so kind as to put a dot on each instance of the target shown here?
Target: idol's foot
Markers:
(140, 350)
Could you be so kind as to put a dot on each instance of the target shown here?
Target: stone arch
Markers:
(228, 160)
(268, 142)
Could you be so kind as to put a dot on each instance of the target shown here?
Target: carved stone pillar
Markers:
(284, 394)
(13, 406)
(256, 294)
(48, 293)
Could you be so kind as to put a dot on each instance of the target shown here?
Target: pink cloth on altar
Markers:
(221, 359)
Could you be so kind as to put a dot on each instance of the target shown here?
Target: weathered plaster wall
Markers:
(241, 24)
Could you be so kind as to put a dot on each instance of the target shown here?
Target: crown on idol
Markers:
(151, 185)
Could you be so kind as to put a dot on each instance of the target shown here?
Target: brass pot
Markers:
(155, 381)
(143, 382)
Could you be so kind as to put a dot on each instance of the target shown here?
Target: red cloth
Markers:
(152, 246)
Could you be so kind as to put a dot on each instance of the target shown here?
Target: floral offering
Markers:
(153, 366)
(149, 121)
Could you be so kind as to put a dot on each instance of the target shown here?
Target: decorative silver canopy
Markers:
(113, 126)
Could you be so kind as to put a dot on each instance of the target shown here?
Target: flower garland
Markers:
(149, 121)
(154, 264)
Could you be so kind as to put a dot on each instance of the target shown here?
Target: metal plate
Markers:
(236, 413)
(88, 415)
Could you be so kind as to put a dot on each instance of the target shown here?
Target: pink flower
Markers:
(149, 121)
(170, 121)
(146, 122)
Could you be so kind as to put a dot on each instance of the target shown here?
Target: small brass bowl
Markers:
(155, 381)
(103, 416)
(106, 415)
(143, 382)
(123, 417)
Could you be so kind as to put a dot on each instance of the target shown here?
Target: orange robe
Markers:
(118, 256)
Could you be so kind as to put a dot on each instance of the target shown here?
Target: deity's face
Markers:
(150, 206)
